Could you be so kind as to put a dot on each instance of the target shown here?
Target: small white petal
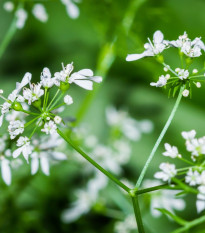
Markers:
(72, 10)
(86, 84)
(158, 37)
(6, 171)
(86, 72)
(34, 165)
(45, 165)
(17, 152)
(134, 57)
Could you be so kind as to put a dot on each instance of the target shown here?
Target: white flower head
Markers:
(192, 177)
(196, 146)
(183, 74)
(161, 82)
(151, 49)
(188, 47)
(49, 127)
(33, 94)
(68, 100)
(171, 151)
(24, 147)
(189, 135)
(15, 128)
(40, 13)
(168, 171)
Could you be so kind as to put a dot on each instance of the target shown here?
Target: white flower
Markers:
(34, 93)
(84, 78)
(168, 171)
(68, 100)
(185, 93)
(15, 128)
(188, 47)
(71, 8)
(57, 119)
(21, 16)
(183, 74)
(46, 79)
(189, 135)
(161, 82)
(151, 49)
(192, 177)
(8, 6)
(49, 127)
(171, 151)
(40, 13)
(24, 147)
(196, 146)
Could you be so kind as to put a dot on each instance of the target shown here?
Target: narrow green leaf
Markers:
(173, 216)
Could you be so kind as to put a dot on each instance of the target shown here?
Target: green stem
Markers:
(190, 225)
(45, 98)
(10, 33)
(30, 113)
(58, 106)
(31, 121)
(142, 174)
(95, 164)
(53, 98)
(56, 101)
(138, 216)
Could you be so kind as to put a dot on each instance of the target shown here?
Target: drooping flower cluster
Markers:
(175, 77)
(39, 11)
(112, 156)
(30, 108)
(194, 174)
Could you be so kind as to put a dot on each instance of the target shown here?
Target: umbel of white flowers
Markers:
(194, 172)
(188, 50)
(28, 96)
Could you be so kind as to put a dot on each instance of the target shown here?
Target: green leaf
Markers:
(173, 216)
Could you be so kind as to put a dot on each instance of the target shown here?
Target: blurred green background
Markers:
(34, 204)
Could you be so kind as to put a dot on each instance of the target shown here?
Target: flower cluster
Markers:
(174, 78)
(39, 12)
(194, 174)
(29, 108)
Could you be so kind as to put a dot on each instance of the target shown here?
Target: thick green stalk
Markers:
(142, 174)
(138, 216)
(95, 164)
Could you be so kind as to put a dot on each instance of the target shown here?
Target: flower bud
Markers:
(17, 106)
(64, 86)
